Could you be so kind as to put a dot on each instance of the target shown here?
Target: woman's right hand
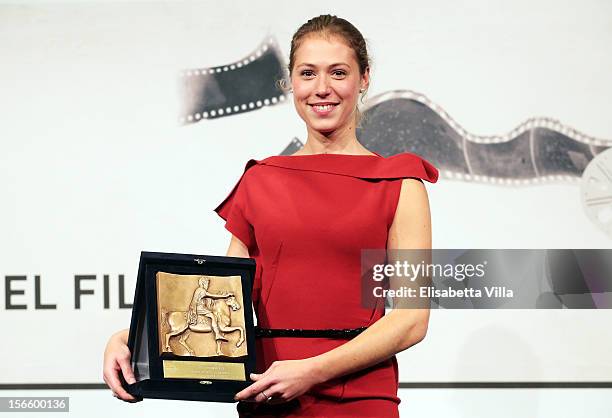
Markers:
(117, 360)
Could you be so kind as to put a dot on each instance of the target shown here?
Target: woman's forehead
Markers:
(317, 51)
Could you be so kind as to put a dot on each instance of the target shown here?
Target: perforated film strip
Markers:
(538, 150)
(292, 147)
(241, 86)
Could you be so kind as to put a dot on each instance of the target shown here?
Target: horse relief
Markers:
(205, 312)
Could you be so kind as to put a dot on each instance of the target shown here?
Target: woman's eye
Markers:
(309, 73)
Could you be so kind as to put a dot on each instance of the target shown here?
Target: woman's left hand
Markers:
(282, 382)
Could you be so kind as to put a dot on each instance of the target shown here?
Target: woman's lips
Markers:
(323, 110)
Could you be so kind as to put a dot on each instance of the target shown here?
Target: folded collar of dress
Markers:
(402, 165)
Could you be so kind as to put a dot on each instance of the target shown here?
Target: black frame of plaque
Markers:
(143, 340)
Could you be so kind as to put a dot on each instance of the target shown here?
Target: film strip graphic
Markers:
(241, 86)
(540, 150)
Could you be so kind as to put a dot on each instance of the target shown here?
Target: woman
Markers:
(305, 219)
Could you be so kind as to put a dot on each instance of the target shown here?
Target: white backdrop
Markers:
(94, 167)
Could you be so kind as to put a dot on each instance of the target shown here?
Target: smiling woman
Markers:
(329, 70)
(326, 83)
(305, 218)
(325, 209)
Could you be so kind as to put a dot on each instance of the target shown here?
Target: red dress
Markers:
(305, 220)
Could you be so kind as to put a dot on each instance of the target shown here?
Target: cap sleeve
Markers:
(233, 209)
(408, 165)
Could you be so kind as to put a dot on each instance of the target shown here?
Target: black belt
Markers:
(308, 333)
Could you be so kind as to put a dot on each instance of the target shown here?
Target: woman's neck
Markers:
(336, 142)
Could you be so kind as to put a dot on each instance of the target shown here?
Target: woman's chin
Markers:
(324, 127)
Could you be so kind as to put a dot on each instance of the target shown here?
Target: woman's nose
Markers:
(323, 87)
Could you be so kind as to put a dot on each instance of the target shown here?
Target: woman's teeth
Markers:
(323, 109)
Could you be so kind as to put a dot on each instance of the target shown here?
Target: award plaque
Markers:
(192, 334)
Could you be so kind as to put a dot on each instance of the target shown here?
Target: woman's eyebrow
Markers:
(306, 64)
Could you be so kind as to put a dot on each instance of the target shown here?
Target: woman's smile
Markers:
(323, 110)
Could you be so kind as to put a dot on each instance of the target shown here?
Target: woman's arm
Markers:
(237, 248)
(400, 328)
(394, 332)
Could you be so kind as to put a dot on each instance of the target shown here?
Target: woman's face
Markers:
(326, 83)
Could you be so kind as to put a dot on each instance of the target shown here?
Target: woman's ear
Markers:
(365, 79)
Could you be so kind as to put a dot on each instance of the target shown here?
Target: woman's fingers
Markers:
(112, 380)
(252, 391)
(262, 396)
(282, 393)
(264, 391)
(117, 360)
(126, 370)
(273, 394)
(268, 386)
